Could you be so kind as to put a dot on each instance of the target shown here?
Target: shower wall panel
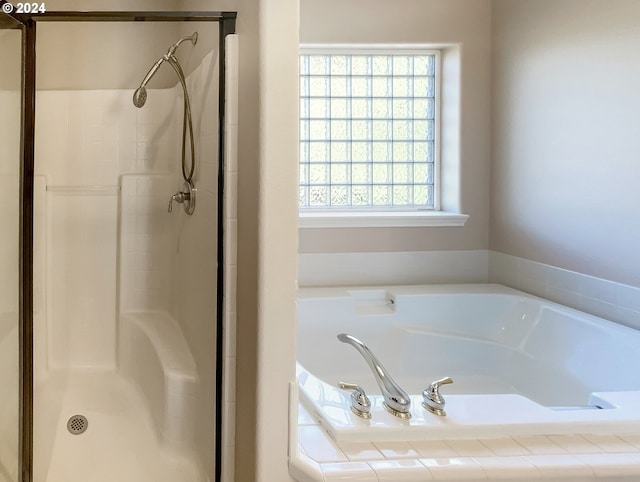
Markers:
(93, 137)
(148, 241)
(87, 143)
(82, 270)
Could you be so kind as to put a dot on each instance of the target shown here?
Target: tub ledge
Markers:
(315, 457)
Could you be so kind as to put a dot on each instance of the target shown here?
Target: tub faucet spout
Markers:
(396, 400)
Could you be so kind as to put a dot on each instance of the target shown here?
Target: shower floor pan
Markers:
(119, 444)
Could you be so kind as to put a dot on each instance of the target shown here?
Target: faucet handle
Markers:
(432, 400)
(186, 197)
(173, 198)
(360, 403)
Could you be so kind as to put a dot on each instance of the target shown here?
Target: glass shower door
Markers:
(10, 162)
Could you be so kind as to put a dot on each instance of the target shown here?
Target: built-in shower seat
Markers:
(155, 355)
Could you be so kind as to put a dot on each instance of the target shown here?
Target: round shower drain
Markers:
(77, 424)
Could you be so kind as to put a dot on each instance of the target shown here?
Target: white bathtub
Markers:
(521, 365)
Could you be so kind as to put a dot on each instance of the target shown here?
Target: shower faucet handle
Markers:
(186, 197)
(178, 197)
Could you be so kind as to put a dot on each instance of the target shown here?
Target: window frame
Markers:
(397, 216)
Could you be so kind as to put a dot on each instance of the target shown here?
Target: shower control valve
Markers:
(178, 197)
(186, 197)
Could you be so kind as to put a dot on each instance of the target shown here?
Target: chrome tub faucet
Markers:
(396, 400)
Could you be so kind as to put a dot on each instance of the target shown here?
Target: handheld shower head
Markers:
(140, 96)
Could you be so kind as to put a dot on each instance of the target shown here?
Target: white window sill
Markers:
(395, 219)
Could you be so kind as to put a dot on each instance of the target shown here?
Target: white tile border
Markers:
(606, 299)
(413, 267)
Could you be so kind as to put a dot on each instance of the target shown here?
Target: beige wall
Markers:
(88, 61)
(84, 53)
(454, 22)
(11, 55)
(566, 171)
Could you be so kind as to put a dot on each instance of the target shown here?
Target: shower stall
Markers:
(116, 284)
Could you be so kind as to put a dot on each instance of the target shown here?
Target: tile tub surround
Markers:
(314, 456)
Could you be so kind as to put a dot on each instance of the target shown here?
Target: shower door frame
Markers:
(25, 262)
(227, 21)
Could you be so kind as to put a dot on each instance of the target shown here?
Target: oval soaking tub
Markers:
(520, 365)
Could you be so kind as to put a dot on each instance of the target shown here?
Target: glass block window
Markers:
(368, 130)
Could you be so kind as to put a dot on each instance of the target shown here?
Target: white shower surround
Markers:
(105, 172)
